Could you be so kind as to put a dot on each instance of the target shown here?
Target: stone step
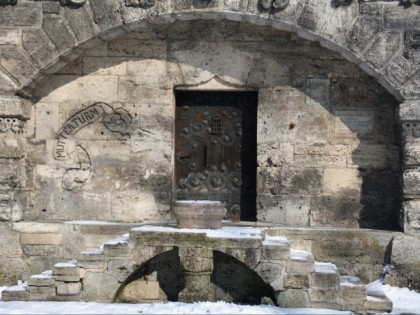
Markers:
(352, 294)
(325, 275)
(91, 259)
(44, 279)
(300, 262)
(116, 247)
(377, 305)
(276, 248)
(67, 271)
(15, 293)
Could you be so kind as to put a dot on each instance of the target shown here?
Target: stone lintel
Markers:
(14, 106)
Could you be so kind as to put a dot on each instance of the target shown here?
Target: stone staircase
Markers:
(297, 279)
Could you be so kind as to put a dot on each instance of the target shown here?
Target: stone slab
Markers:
(352, 123)
(41, 239)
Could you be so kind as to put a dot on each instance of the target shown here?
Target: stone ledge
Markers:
(13, 106)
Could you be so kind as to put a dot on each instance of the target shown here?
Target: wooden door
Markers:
(215, 149)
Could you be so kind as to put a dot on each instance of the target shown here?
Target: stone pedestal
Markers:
(199, 214)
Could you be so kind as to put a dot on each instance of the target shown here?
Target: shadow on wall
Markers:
(328, 153)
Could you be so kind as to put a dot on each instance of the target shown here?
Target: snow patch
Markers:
(120, 240)
(325, 267)
(276, 240)
(71, 263)
(47, 274)
(300, 255)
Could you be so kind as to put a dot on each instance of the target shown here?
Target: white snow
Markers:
(224, 232)
(47, 274)
(120, 240)
(300, 255)
(275, 240)
(325, 267)
(72, 263)
(92, 252)
(350, 281)
(199, 201)
(81, 222)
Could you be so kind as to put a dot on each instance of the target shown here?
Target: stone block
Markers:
(68, 288)
(39, 47)
(141, 290)
(411, 183)
(293, 298)
(10, 295)
(274, 154)
(80, 21)
(273, 252)
(58, 32)
(44, 279)
(409, 111)
(67, 272)
(141, 49)
(143, 253)
(352, 123)
(296, 281)
(120, 268)
(363, 30)
(92, 281)
(411, 210)
(106, 13)
(24, 14)
(41, 293)
(104, 66)
(249, 256)
(318, 295)
(15, 106)
(300, 262)
(10, 37)
(386, 45)
(91, 260)
(269, 271)
(116, 250)
(378, 305)
(400, 18)
(342, 181)
(10, 241)
(74, 88)
(368, 155)
(40, 250)
(12, 146)
(325, 279)
(16, 61)
(41, 239)
(352, 290)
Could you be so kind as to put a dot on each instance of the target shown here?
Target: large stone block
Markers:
(411, 183)
(104, 66)
(58, 32)
(342, 181)
(269, 271)
(106, 13)
(296, 281)
(293, 298)
(322, 294)
(93, 280)
(141, 49)
(274, 154)
(383, 48)
(411, 210)
(41, 239)
(401, 18)
(68, 288)
(16, 61)
(363, 30)
(81, 22)
(24, 14)
(39, 46)
(41, 293)
(21, 294)
(121, 268)
(10, 239)
(140, 291)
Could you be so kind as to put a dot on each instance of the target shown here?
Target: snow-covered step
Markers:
(91, 259)
(352, 288)
(377, 305)
(117, 247)
(300, 262)
(276, 248)
(44, 279)
(15, 293)
(67, 271)
(325, 275)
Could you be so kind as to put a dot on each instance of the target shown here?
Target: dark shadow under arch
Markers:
(236, 282)
(168, 267)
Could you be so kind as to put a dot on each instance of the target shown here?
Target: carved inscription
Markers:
(116, 121)
(349, 123)
(144, 4)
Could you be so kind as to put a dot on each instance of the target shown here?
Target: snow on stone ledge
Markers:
(350, 281)
(276, 240)
(71, 263)
(120, 240)
(325, 267)
(47, 274)
(224, 232)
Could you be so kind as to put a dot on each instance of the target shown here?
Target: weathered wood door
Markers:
(215, 149)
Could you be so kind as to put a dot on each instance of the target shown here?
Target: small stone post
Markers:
(197, 266)
(409, 115)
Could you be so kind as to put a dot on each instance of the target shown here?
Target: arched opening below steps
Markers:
(167, 265)
(236, 282)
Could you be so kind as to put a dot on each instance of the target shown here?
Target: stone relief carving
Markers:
(275, 5)
(116, 121)
(14, 125)
(144, 4)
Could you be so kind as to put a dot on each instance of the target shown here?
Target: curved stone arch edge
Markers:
(26, 91)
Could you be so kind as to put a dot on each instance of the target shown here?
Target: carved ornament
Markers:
(274, 5)
(14, 125)
(144, 4)
(8, 2)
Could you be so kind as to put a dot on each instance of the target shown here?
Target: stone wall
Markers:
(100, 139)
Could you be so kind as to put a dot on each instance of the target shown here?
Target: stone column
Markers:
(197, 264)
(14, 113)
(409, 116)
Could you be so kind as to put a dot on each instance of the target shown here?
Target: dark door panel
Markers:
(215, 149)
